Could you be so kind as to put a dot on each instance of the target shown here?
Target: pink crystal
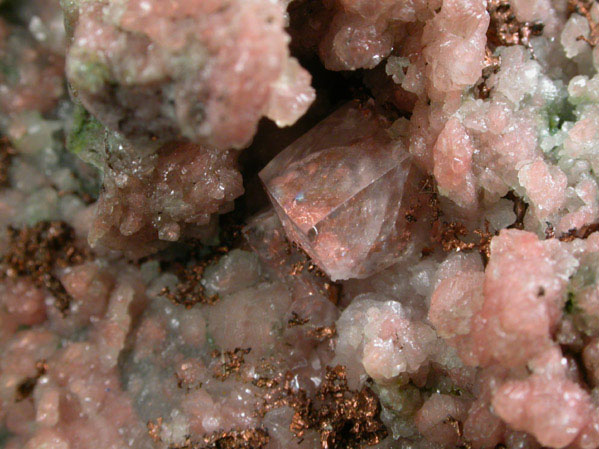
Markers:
(209, 70)
(337, 190)
(553, 410)
(180, 188)
(522, 291)
(452, 155)
(434, 419)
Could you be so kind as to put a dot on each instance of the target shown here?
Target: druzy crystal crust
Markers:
(311, 224)
(208, 70)
(338, 191)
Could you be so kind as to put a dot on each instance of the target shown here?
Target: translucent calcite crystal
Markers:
(338, 191)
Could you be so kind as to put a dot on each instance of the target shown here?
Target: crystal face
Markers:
(338, 191)
(149, 301)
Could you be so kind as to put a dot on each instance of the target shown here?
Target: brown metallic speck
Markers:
(295, 320)
(505, 29)
(37, 251)
(6, 154)
(230, 362)
(324, 333)
(25, 388)
(583, 8)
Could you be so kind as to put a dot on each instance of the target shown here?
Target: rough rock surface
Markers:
(160, 197)
(207, 70)
(426, 277)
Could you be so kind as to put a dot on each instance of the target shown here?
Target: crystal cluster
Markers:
(149, 200)
(208, 70)
(414, 264)
(193, 75)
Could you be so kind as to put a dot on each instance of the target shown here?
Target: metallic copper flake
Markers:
(36, 252)
(505, 29)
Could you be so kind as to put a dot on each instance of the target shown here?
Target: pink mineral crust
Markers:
(482, 148)
(435, 246)
(34, 76)
(352, 42)
(207, 69)
(174, 373)
(545, 186)
(512, 327)
(452, 157)
(436, 419)
(89, 285)
(77, 396)
(515, 323)
(455, 302)
(24, 302)
(362, 34)
(483, 428)
(540, 11)
(457, 33)
(164, 196)
(337, 191)
(587, 193)
(548, 405)
(381, 337)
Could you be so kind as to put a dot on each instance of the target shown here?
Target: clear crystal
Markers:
(337, 190)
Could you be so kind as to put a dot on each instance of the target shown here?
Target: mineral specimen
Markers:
(151, 197)
(425, 275)
(338, 191)
(32, 78)
(206, 69)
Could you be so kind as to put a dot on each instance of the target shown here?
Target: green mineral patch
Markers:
(87, 71)
(85, 137)
(559, 112)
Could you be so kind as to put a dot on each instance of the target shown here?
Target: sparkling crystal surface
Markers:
(337, 190)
